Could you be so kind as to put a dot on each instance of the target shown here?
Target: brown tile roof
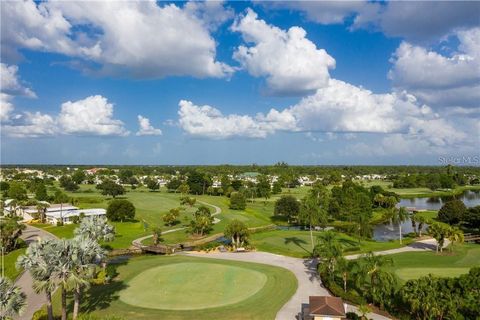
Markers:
(326, 306)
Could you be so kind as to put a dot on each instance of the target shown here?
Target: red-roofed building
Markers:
(324, 308)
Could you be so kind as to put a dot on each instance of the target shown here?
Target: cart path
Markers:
(138, 242)
(25, 282)
(417, 246)
(305, 270)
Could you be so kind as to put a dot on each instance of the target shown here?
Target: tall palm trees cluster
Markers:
(441, 231)
(369, 275)
(67, 265)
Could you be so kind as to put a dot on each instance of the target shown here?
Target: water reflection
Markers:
(390, 231)
(469, 197)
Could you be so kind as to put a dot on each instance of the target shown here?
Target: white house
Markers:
(54, 213)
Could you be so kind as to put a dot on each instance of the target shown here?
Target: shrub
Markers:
(237, 201)
(336, 290)
(40, 314)
(352, 316)
(120, 210)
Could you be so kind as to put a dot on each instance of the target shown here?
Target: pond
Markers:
(390, 231)
(469, 197)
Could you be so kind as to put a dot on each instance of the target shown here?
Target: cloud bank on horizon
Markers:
(173, 56)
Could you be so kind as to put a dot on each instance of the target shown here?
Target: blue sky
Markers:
(239, 82)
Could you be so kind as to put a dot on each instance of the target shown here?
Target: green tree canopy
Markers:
(452, 212)
(287, 206)
(120, 210)
(17, 191)
(237, 201)
(110, 188)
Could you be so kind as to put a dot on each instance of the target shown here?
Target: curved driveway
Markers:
(24, 281)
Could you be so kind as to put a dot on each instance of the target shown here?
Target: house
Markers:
(55, 213)
(324, 308)
(67, 216)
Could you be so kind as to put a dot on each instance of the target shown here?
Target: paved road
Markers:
(25, 281)
(309, 283)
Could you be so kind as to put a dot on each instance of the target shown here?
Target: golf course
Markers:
(176, 287)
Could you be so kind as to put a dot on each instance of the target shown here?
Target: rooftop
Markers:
(326, 306)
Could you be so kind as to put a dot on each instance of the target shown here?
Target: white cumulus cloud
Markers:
(90, 116)
(6, 107)
(291, 63)
(146, 129)
(207, 121)
(31, 125)
(126, 38)
(10, 82)
(437, 79)
(338, 108)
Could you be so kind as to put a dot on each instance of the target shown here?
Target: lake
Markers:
(469, 197)
(386, 232)
(389, 231)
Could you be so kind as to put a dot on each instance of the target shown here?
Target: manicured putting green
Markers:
(414, 273)
(192, 286)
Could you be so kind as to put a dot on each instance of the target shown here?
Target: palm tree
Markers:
(85, 254)
(313, 209)
(372, 266)
(364, 227)
(438, 232)
(39, 260)
(455, 235)
(13, 207)
(329, 249)
(413, 220)
(421, 222)
(12, 299)
(95, 228)
(346, 268)
(42, 209)
(399, 216)
(157, 232)
(364, 309)
(61, 198)
(237, 231)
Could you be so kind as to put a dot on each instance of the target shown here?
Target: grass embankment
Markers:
(426, 193)
(298, 243)
(183, 289)
(10, 259)
(412, 265)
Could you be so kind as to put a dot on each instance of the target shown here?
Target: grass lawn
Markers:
(152, 206)
(412, 265)
(125, 232)
(178, 287)
(10, 260)
(298, 243)
(430, 215)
